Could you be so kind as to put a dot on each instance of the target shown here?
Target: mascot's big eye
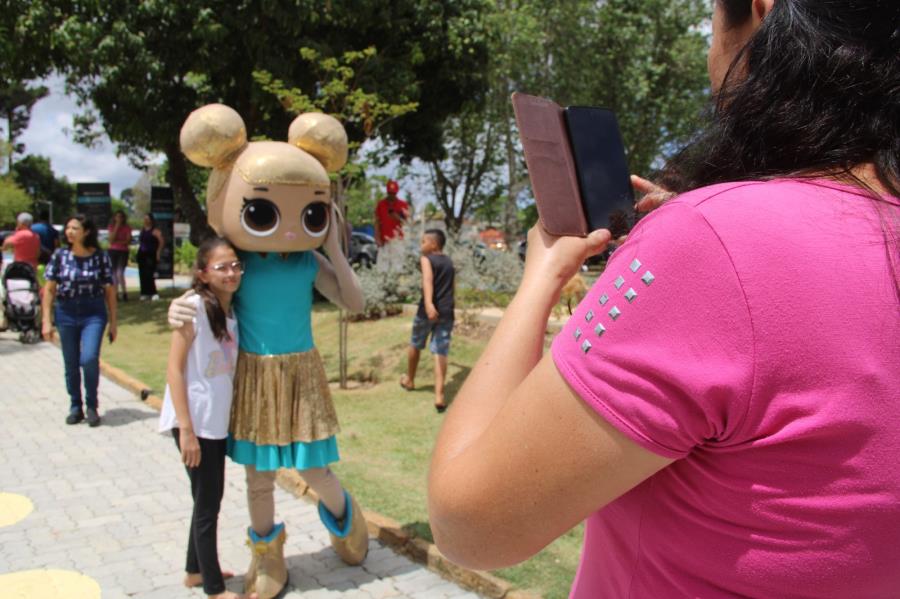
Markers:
(315, 219)
(259, 217)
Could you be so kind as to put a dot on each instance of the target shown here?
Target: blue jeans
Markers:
(440, 331)
(81, 322)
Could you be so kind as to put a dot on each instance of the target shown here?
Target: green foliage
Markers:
(337, 91)
(13, 200)
(35, 174)
(16, 101)
(645, 59)
(185, 256)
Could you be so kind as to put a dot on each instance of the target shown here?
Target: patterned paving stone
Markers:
(113, 503)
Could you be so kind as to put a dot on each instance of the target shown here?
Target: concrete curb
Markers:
(386, 530)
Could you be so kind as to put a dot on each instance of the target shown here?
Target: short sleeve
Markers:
(105, 275)
(662, 345)
(52, 270)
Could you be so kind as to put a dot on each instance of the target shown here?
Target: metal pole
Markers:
(342, 316)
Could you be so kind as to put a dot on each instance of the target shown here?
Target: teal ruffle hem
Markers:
(297, 455)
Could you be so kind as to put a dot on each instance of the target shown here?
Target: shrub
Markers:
(185, 256)
(483, 278)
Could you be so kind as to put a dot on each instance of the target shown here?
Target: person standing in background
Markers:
(435, 316)
(149, 250)
(48, 235)
(80, 277)
(119, 239)
(25, 243)
(391, 213)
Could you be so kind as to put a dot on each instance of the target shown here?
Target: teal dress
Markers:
(274, 310)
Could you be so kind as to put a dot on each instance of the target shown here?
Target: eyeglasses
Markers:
(235, 266)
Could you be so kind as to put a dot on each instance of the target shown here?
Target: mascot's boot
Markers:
(350, 536)
(267, 575)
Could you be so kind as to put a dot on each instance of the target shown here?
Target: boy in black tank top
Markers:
(435, 314)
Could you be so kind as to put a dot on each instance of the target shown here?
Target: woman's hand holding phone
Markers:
(551, 261)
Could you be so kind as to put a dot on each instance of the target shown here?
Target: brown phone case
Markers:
(551, 166)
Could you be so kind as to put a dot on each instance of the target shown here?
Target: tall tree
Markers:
(34, 174)
(645, 59)
(16, 101)
(430, 52)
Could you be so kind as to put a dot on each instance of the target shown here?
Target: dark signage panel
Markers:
(162, 205)
(93, 200)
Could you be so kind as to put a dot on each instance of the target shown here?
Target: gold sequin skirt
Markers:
(282, 399)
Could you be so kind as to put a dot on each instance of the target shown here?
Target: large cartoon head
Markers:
(266, 196)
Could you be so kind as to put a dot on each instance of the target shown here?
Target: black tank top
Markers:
(442, 267)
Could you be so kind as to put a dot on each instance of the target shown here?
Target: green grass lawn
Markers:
(387, 433)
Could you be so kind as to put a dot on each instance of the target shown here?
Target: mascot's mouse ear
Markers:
(321, 135)
(213, 136)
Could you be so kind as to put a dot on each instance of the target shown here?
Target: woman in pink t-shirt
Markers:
(723, 408)
(119, 240)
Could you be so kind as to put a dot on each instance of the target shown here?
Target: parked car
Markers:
(363, 249)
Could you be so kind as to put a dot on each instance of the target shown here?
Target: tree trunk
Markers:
(184, 196)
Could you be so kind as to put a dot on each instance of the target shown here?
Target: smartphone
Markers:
(604, 180)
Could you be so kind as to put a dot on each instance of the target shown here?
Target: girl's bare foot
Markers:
(406, 383)
(196, 580)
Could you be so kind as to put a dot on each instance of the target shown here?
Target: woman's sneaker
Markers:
(93, 418)
(74, 417)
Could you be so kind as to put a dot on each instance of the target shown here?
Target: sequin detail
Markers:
(600, 329)
(589, 316)
(577, 334)
(630, 295)
(586, 346)
(603, 299)
(614, 313)
(648, 278)
(635, 265)
(619, 282)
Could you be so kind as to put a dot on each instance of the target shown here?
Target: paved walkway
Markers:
(112, 504)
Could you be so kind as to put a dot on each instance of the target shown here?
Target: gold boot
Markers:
(350, 538)
(267, 575)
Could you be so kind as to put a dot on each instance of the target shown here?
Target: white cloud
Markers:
(46, 136)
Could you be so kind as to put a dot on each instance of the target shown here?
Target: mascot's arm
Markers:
(181, 310)
(336, 279)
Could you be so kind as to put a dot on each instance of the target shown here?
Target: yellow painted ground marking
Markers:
(48, 584)
(13, 508)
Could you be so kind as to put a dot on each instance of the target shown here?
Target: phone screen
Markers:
(602, 169)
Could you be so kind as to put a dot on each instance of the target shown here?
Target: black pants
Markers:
(146, 269)
(207, 488)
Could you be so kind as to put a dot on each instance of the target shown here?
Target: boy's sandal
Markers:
(404, 382)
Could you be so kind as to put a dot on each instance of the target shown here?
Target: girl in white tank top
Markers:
(197, 404)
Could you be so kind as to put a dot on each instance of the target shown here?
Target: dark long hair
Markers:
(815, 91)
(90, 230)
(214, 311)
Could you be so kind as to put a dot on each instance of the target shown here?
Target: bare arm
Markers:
(498, 490)
(336, 279)
(182, 338)
(159, 237)
(47, 310)
(109, 293)
(428, 288)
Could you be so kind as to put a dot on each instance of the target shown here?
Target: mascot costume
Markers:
(272, 200)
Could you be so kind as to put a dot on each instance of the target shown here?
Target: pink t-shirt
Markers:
(26, 246)
(751, 332)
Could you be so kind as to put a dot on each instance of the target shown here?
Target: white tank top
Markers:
(208, 375)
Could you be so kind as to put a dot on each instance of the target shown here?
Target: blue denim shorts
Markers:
(440, 331)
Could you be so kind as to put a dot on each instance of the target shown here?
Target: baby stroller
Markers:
(22, 301)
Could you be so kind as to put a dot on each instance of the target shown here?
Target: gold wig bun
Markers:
(213, 136)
